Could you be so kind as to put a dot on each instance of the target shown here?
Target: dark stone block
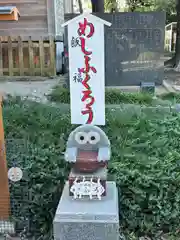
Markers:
(134, 45)
(148, 87)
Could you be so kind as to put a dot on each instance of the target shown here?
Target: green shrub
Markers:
(145, 163)
(115, 96)
(172, 96)
(112, 96)
(60, 94)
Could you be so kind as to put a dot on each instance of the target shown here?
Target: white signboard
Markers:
(86, 69)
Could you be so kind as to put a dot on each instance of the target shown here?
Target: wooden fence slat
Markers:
(31, 56)
(52, 56)
(41, 56)
(26, 44)
(10, 56)
(1, 59)
(21, 60)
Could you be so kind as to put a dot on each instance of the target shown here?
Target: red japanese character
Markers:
(83, 27)
(85, 81)
(83, 47)
(87, 67)
(88, 105)
(90, 113)
(88, 96)
(87, 59)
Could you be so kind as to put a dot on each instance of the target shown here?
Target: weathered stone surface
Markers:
(134, 45)
(87, 219)
(59, 17)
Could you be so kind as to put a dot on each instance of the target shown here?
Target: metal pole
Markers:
(170, 43)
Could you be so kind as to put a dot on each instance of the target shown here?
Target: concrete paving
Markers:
(35, 90)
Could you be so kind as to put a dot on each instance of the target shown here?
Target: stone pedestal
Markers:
(87, 219)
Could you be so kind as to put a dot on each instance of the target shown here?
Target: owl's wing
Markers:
(71, 154)
(104, 154)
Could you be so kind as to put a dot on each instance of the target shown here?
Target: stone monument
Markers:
(88, 208)
(88, 148)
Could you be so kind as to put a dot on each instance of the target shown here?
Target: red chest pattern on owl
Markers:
(87, 162)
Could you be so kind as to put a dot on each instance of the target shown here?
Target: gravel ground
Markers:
(34, 90)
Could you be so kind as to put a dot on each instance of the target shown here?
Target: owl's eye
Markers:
(93, 137)
(81, 137)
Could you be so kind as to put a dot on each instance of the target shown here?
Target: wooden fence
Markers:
(27, 58)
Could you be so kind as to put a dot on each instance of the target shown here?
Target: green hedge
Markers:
(145, 163)
(112, 96)
(115, 96)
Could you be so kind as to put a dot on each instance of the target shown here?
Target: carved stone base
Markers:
(87, 220)
(88, 185)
